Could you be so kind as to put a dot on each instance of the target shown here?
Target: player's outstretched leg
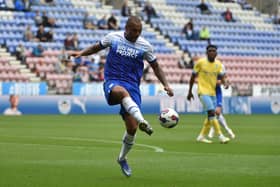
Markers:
(125, 167)
(132, 108)
(146, 127)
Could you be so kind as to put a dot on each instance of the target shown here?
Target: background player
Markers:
(207, 70)
(219, 109)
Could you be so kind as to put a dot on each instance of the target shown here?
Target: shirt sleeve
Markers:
(106, 41)
(150, 56)
(196, 67)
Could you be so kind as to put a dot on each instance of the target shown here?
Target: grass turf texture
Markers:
(81, 151)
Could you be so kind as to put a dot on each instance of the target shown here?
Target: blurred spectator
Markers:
(204, 34)
(227, 15)
(28, 34)
(69, 68)
(276, 19)
(61, 65)
(102, 23)
(38, 51)
(68, 42)
(149, 11)
(13, 109)
(49, 2)
(63, 57)
(49, 35)
(125, 11)
(38, 18)
(27, 4)
(47, 21)
(226, 1)
(81, 74)
(71, 42)
(20, 53)
(19, 5)
(35, 2)
(113, 23)
(76, 41)
(203, 8)
(244, 5)
(188, 30)
(88, 22)
(41, 34)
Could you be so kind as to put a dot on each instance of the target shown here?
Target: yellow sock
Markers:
(206, 127)
(216, 126)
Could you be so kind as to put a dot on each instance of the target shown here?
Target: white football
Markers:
(168, 118)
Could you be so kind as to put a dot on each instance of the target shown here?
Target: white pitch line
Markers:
(155, 148)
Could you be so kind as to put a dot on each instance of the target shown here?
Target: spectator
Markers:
(188, 30)
(76, 41)
(68, 42)
(226, 1)
(28, 34)
(227, 15)
(93, 68)
(49, 2)
(20, 53)
(38, 18)
(49, 35)
(125, 12)
(102, 23)
(41, 34)
(276, 19)
(48, 22)
(82, 74)
(203, 8)
(244, 5)
(204, 34)
(38, 51)
(27, 5)
(88, 22)
(19, 5)
(63, 57)
(150, 11)
(113, 23)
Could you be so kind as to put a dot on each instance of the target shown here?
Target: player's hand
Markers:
(75, 54)
(218, 110)
(190, 96)
(226, 85)
(169, 91)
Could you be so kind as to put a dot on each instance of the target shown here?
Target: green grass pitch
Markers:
(81, 151)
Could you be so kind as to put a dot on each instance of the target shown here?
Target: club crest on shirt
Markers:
(64, 106)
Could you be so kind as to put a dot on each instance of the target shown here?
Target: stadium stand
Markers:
(249, 47)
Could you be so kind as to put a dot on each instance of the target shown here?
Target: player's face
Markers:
(211, 54)
(133, 31)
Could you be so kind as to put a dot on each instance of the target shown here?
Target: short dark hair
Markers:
(211, 46)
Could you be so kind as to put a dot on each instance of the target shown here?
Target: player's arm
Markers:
(87, 51)
(191, 82)
(196, 69)
(225, 81)
(161, 77)
(223, 78)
